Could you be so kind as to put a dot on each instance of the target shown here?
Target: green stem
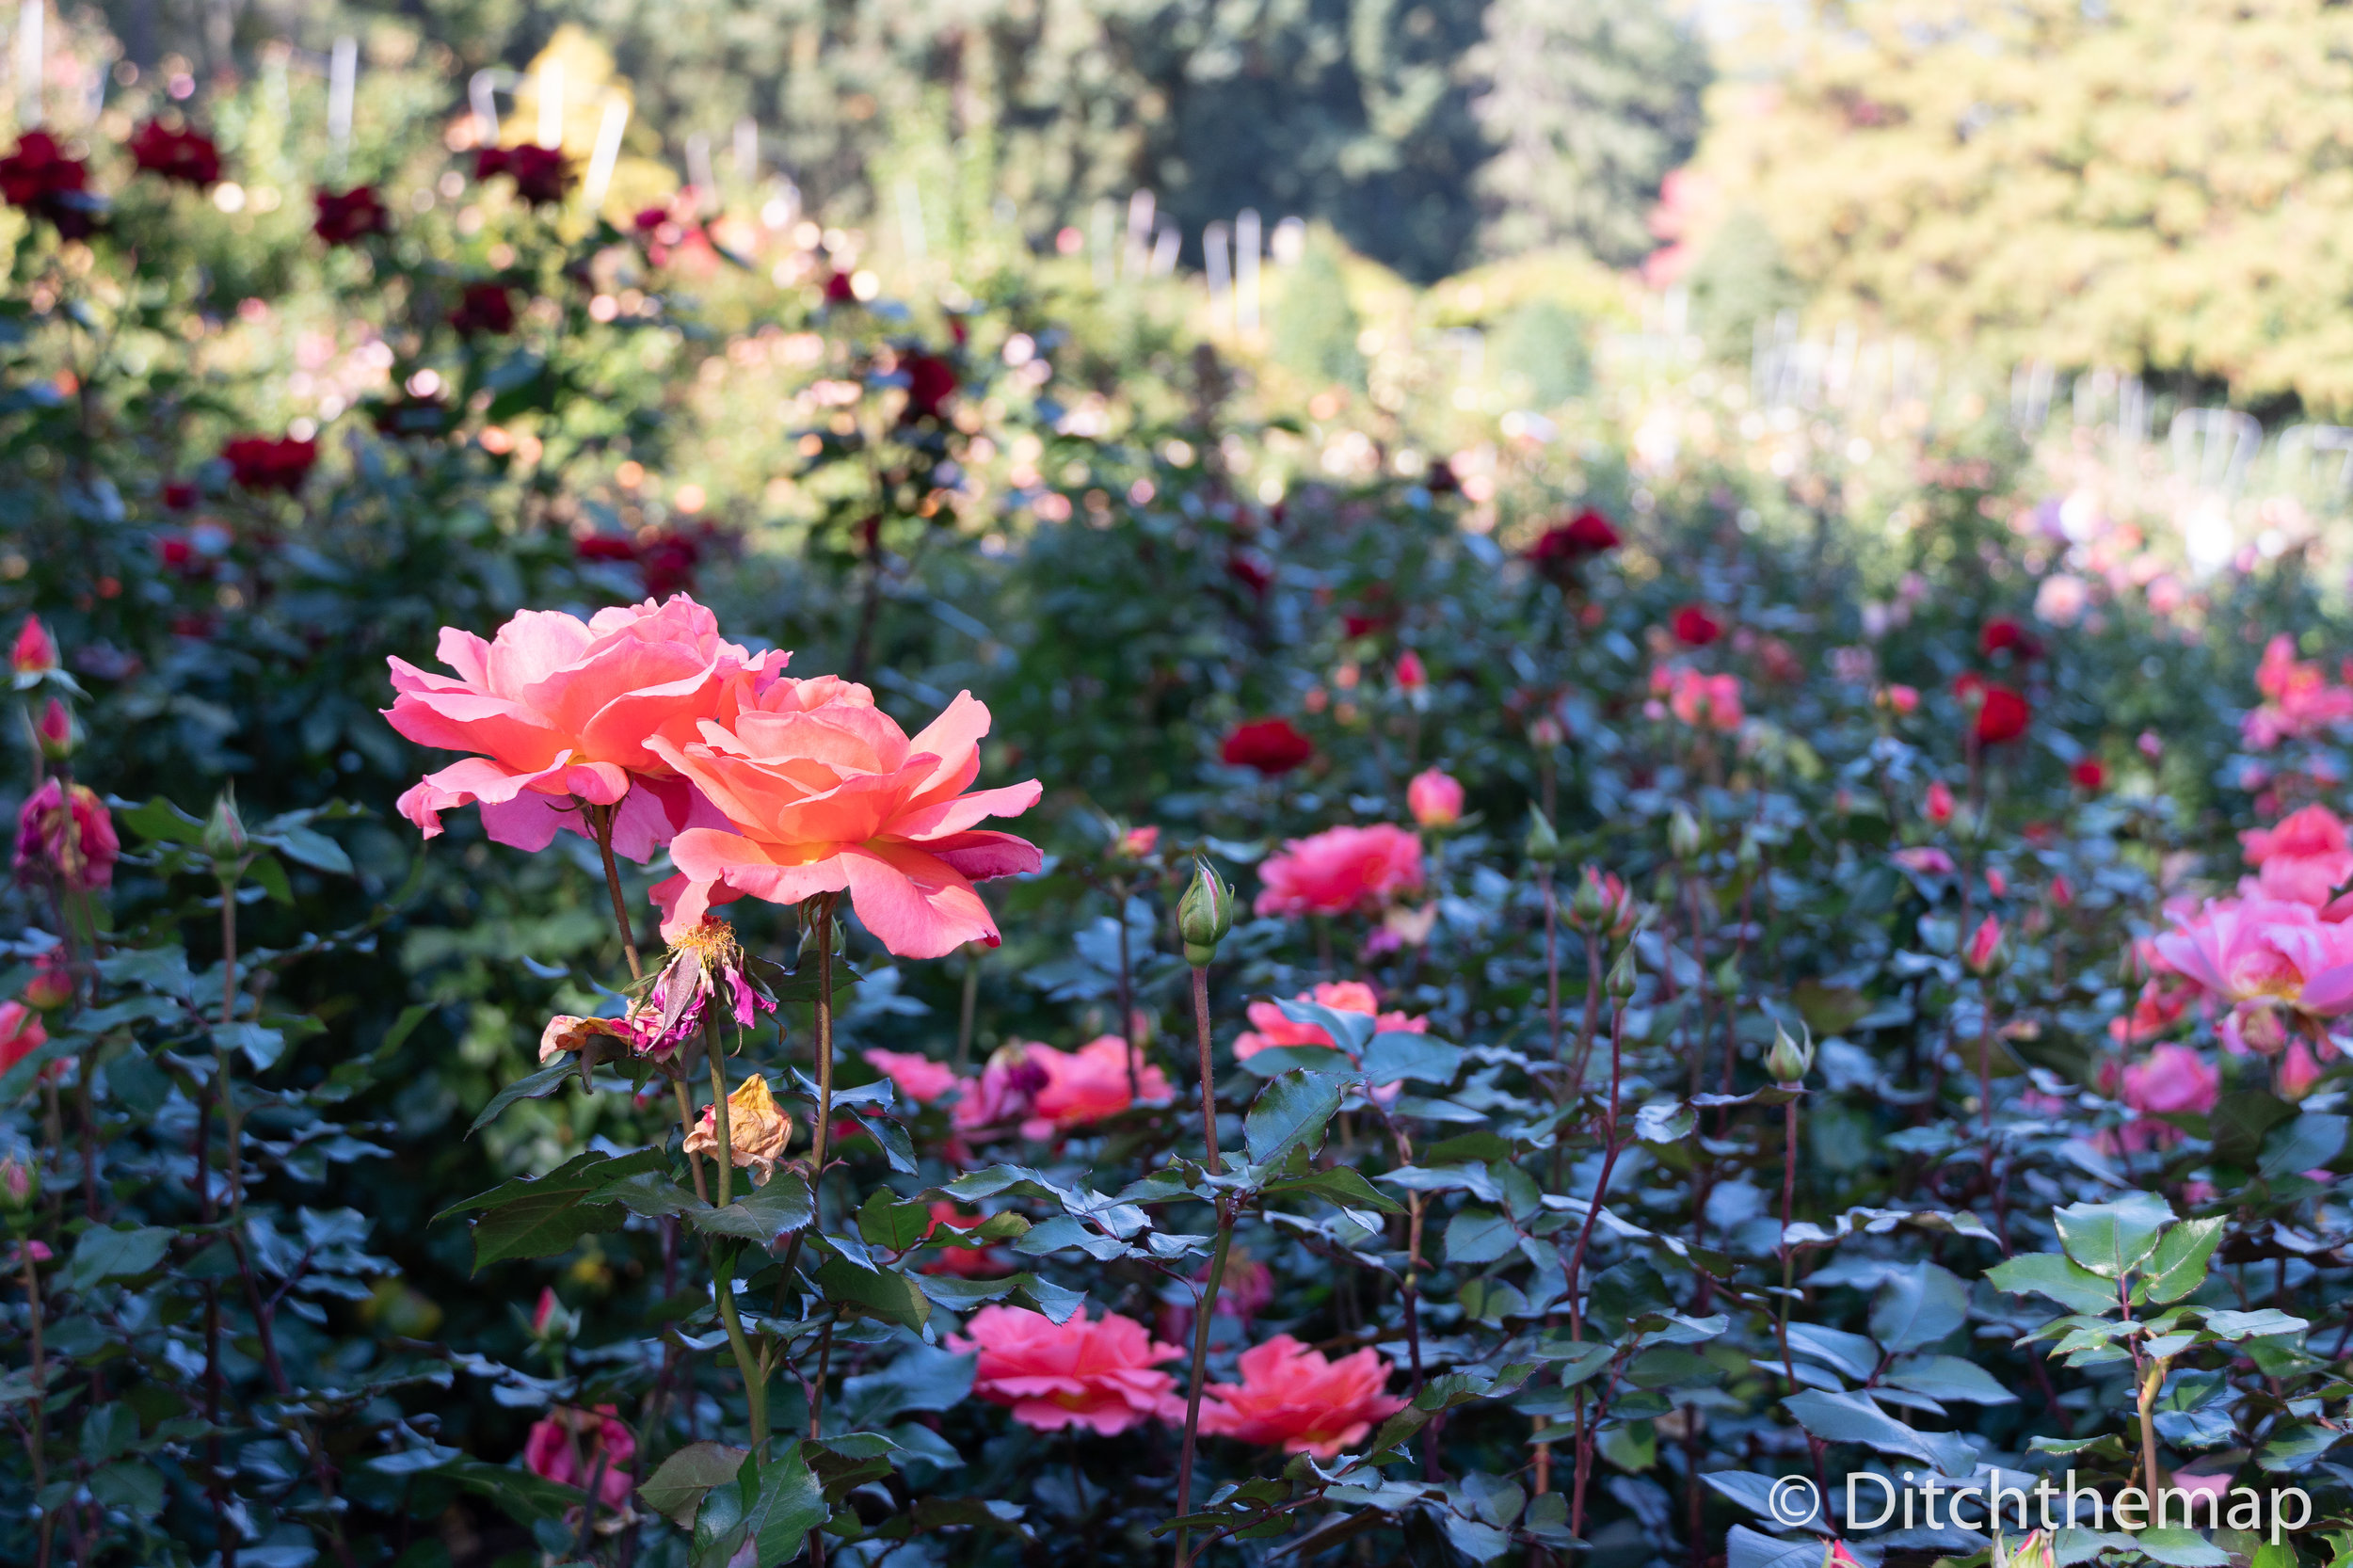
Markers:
(722, 1255)
(1208, 1089)
(1202, 1315)
(822, 1144)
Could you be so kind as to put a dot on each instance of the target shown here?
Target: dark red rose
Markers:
(2002, 714)
(1270, 745)
(259, 463)
(2004, 636)
(542, 174)
(182, 155)
(649, 218)
(180, 495)
(604, 546)
(838, 289)
(1441, 478)
(1565, 546)
(668, 561)
(2090, 774)
(1251, 569)
(485, 308)
(931, 381)
(175, 554)
(346, 216)
(1694, 627)
(40, 178)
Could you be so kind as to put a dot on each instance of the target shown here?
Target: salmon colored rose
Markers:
(1269, 1026)
(1099, 1375)
(1435, 798)
(1086, 1085)
(824, 792)
(918, 1077)
(2304, 859)
(21, 1033)
(1290, 1396)
(561, 713)
(1340, 871)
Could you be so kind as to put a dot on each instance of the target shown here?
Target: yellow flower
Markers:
(757, 1131)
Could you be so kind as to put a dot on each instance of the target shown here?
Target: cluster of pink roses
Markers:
(1037, 1090)
(1103, 1375)
(642, 728)
(1699, 701)
(2300, 700)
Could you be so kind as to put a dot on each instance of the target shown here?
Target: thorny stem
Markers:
(1552, 968)
(1208, 1089)
(1201, 1313)
(40, 1398)
(600, 823)
(686, 1124)
(722, 1256)
(1610, 1148)
(823, 1142)
(1788, 1253)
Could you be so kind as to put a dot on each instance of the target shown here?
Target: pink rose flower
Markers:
(564, 711)
(1002, 1095)
(1924, 861)
(1340, 871)
(1269, 1028)
(918, 1077)
(1138, 842)
(2298, 699)
(66, 833)
(1085, 1086)
(2171, 1079)
(2296, 1073)
(1985, 946)
(566, 1446)
(1435, 798)
(1938, 805)
(824, 792)
(1097, 1375)
(2302, 860)
(35, 652)
(2258, 949)
(22, 1032)
(1706, 701)
(1290, 1396)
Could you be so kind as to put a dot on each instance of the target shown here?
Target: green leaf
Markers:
(2239, 1123)
(676, 1490)
(789, 1505)
(540, 1085)
(883, 1222)
(1398, 1055)
(1478, 1235)
(538, 1218)
(2058, 1278)
(2112, 1239)
(1291, 1112)
(1918, 1306)
(878, 1293)
(262, 1047)
(2308, 1142)
(1342, 1185)
(1948, 1377)
(309, 847)
(1851, 1353)
(523, 1495)
(764, 1214)
(161, 821)
(1853, 1418)
(719, 1530)
(2263, 1324)
(2294, 1448)
(2178, 1547)
(102, 1254)
(2178, 1265)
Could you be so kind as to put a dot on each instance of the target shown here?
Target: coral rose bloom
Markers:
(21, 1035)
(1076, 1373)
(917, 1076)
(1086, 1085)
(2304, 859)
(824, 792)
(1269, 1028)
(2172, 1078)
(1340, 871)
(1435, 798)
(562, 711)
(1291, 1395)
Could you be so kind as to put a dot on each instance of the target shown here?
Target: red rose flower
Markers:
(1251, 569)
(2002, 714)
(180, 495)
(40, 178)
(542, 174)
(1694, 627)
(604, 546)
(485, 308)
(2088, 775)
(350, 215)
(931, 381)
(1270, 745)
(1568, 545)
(182, 155)
(258, 463)
(2004, 636)
(838, 289)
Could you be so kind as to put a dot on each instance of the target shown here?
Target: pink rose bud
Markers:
(2151, 746)
(1985, 946)
(54, 730)
(1996, 882)
(52, 986)
(1435, 798)
(2062, 892)
(35, 652)
(2297, 1072)
(1411, 676)
(18, 1183)
(1137, 842)
(1545, 731)
(1938, 807)
(545, 1313)
(1903, 700)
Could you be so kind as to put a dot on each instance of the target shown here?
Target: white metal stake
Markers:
(608, 151)
(29, 61)
(699, 172)
(747, 149)
(1213, 262)
(1247, 250)
(343, 80)
(552, 103)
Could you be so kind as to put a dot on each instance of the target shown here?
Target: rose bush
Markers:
(1825, 967)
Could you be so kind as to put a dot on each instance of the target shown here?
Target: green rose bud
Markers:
(1543, 845)
(1205, 915)
(1684, 838)
(20, 1182)
(1750, 854)
(1789, 1060)
(224, 833)
(1622, 976)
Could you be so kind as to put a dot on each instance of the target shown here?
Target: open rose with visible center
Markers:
(571, 1447)
(563, 711)
(1292, 1397)
(1099, 1375)
(1340, 871)
(2304, 859)
(824, 792)
(1084, 1086)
